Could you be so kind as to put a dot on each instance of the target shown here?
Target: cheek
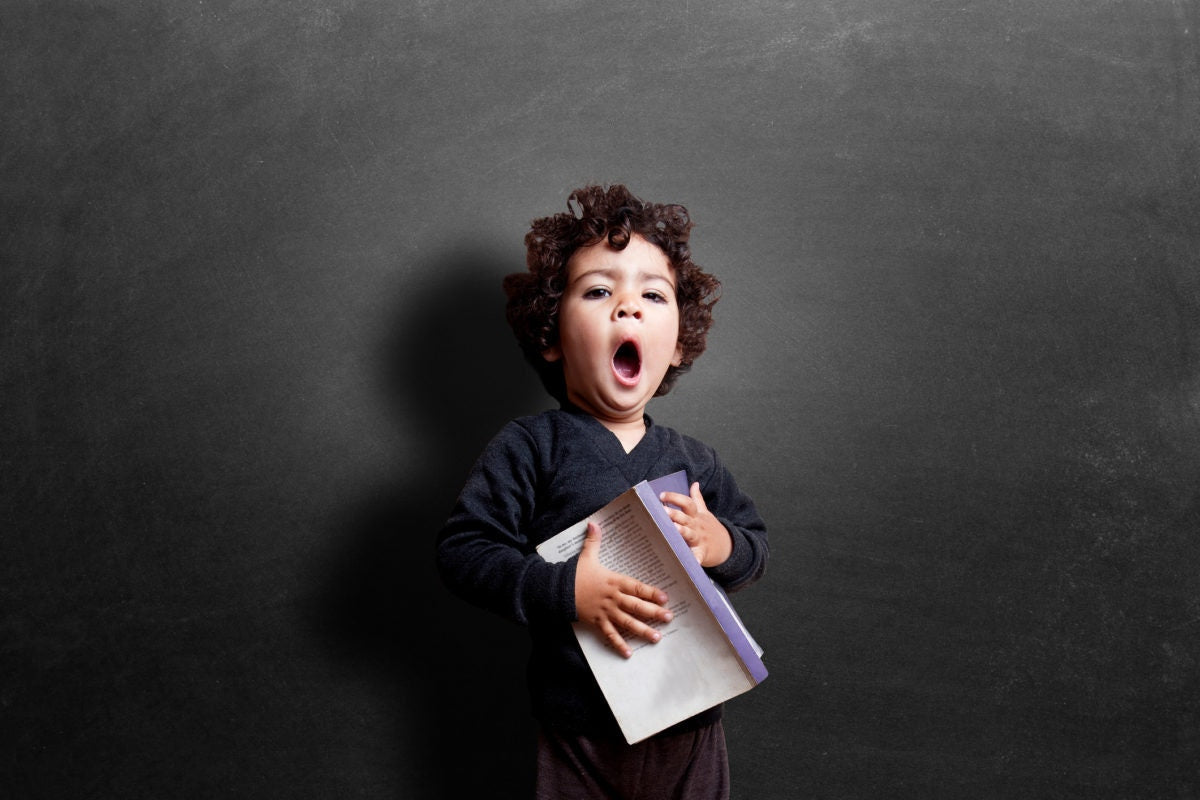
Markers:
(574, 332)
(566, 324)
(674, 325)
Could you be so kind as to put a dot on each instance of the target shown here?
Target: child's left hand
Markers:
(703, 532)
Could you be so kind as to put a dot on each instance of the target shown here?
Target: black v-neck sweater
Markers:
(540, 475)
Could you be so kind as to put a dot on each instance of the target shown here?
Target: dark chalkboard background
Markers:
(253, 339)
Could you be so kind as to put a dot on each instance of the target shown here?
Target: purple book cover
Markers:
(649, 491)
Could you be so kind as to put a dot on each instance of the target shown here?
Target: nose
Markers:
(627, 306)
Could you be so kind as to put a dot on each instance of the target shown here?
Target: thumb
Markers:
(591, 542)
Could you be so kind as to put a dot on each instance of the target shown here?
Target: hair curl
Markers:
(596, 214)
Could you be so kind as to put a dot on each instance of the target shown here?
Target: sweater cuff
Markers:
(549, 591)
(733, 570)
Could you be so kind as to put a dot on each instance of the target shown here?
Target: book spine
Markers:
(704, 584)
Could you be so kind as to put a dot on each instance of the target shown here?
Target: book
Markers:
(705, 655)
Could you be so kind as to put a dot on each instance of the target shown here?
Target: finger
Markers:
(698, 498)
(635, 588)
(647, 611)
(614, 639)
(684, 502)
(633, 626)
(591, 542)
(678, 517)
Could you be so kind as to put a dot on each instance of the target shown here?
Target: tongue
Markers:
(625, 362)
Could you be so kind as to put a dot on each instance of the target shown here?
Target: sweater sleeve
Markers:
(736, 511)
(484, 553)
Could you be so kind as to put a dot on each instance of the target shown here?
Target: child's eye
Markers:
(655, 297)
(597, 292)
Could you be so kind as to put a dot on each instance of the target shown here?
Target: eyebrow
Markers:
(611, 274)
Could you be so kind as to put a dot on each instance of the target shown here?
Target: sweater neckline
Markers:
(609, 446)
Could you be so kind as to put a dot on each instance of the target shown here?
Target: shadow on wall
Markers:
(454, 375)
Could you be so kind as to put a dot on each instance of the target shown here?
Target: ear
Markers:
(552, 353)
(678, 359)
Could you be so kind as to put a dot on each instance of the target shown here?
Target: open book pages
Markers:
(705, 656)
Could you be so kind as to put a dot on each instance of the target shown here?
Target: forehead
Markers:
(639, 258)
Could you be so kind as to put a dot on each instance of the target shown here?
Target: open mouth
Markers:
(627, 363)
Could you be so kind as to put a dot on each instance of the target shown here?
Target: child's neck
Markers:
(628, 433)
(628, 426)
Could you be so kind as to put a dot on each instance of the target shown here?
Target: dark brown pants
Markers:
(688, 766)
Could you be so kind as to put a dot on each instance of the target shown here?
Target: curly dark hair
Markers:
(595, 214)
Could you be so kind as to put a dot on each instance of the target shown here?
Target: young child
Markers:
(610, 312)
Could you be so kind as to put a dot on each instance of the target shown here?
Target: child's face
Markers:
(618, 328)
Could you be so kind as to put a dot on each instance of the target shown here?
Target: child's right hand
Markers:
(612, 602)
